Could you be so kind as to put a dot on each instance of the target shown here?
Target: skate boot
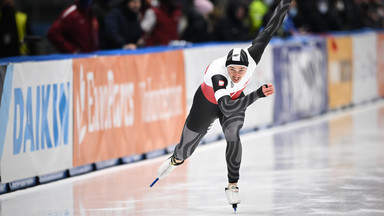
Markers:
(233, 196)
(167, 167)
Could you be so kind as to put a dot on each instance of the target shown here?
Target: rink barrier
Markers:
(23, 183)
(79, 170)
(108, 163)
(53, 177)
(204, 53)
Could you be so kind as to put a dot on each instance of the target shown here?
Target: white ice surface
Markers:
(328, 165)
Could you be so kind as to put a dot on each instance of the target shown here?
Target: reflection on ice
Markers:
(333, 165)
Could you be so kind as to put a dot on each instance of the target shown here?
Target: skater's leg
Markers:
(202, 114)
(233, 157)
(231, 127)
(188, 143)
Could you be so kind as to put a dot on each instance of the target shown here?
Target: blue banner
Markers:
(4, 105)
(3, 69)
(300, 75)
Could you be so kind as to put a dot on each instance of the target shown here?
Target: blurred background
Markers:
(197, 20)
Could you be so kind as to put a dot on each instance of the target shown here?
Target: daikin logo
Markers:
(41, 117)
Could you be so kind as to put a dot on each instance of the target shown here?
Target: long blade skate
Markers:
(154, 182)
(166, 168)
(233, 196)
(234, 206)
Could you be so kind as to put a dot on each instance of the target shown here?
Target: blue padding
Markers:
(19, 59)
(52, 177)
(155, 153)
(132, 158)
(144, 50)
(107, 163)
(23, 183)
(81, 170)
(4, 188)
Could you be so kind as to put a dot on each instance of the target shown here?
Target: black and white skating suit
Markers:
(220, 98)
(217, 72)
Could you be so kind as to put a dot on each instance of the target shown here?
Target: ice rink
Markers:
(328, 165)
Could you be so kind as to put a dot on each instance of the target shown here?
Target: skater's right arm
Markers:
(263, 38)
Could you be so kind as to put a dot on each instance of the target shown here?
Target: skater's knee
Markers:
(188, 143)
(232, 133)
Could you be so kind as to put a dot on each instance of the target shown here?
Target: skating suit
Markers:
(225, 84)
(219, 98)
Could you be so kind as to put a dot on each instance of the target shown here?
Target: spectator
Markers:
(76, 30)
(315, 16)
(350, 13)
(232, 27)
(14, 28)
(161, 23)
(199, 27)
(257, 10)
(380, 13)
(373, 13)
(145, 4)
(289, 27)
(122, 26)
(100, 9)
(330, 17)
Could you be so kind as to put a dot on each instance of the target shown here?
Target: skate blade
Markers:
(234, 207)
(154, 182)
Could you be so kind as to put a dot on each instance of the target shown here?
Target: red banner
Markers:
(126, 105)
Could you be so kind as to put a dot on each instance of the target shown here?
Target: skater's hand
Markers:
(268, 89)
(265, 90)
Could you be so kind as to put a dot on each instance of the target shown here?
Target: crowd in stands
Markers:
(92, 25)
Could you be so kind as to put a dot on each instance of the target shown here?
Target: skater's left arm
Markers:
(261, 41)
(229, 107)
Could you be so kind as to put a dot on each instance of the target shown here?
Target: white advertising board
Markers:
(364, 67)
(38, 132)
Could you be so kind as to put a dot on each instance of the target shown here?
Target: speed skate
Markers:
(166, 167)
(233, 196)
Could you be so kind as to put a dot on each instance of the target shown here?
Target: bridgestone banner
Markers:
(300, 78)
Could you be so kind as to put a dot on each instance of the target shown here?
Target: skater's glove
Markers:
(265, 90)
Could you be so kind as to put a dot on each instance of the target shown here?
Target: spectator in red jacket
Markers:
(161, 23)
(76, 30)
